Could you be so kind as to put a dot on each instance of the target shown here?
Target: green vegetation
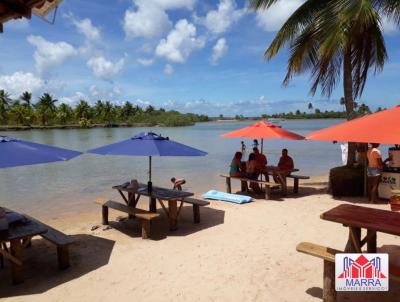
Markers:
(336, 41)
(360, 110)
(48, 112)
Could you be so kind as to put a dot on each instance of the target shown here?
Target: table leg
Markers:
(131, 203)
(228, 185)
(371, 243)
(329, 292)
(354, 242)
(16, 270)
(152, 205)
(173, 214)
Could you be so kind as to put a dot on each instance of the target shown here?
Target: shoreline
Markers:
(236, 253)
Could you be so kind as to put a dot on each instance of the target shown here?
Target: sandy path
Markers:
(237, 253)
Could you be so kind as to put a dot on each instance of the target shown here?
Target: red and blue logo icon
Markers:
(362, 272)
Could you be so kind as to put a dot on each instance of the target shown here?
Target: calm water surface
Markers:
(70, 187)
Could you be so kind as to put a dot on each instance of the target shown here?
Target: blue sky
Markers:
(190, 55)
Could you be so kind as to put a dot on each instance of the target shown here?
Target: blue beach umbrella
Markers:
(148, 144)
(15, 152)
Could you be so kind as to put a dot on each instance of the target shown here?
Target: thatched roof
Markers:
(15, 9)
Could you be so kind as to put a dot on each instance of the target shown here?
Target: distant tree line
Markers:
(48, 111)
(360, 109)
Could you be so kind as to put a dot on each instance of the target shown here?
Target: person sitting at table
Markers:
(285, 166)
(261, 163)
(178, 183)
(252, 172)
(238, 169)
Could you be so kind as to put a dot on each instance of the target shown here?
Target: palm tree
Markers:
(108, 113)
(64, 113)
(46, 107)
(310, 106)
(26, 97)
(5, 102)
(83, 110)
(334, 40)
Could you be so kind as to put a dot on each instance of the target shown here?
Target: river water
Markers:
(70, 187)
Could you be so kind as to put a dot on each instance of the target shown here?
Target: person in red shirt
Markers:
(286, 162)
(285, 167)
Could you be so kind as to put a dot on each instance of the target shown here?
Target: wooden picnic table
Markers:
(357, 218)
(132, 196)
(19, 235)
(282, 175)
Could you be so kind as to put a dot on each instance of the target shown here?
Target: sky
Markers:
(189, 55)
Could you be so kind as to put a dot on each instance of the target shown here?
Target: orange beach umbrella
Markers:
(381, 127)
(263, 130)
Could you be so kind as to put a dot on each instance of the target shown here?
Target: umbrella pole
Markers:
(149, 184)
(262, 145)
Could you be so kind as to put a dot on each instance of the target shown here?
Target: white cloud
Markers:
(149, 20)
(174, 4)
(168, 69)
(48, 54)
(220, 20)
(73, 99)
(20, 81)
(145, 62)
(104, 69)
(273, 18)
(219, 50)
(389, 26)
(85, 27)
(17, 24)
(180, 42)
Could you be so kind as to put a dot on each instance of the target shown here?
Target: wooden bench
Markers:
(197, 203)
(268, 185)
(328, 255)
(145, 217)
(296, 179)
(61, 240)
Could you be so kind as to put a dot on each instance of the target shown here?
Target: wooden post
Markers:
(153, 205)
(131, 201)
(371, 243)
(354, 242)
(173, 213)
(196, 213)
(267, 192)
(16, 270)
(295, 185)
(329, 292)
(105, 214)
(145, 228)
(63, 256)
(228, 185)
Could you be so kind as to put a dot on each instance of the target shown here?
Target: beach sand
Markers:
(237, 253)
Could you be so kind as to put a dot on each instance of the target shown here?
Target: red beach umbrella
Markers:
(263, 130)
(381, 127)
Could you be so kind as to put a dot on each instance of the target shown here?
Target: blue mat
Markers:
(235, 198)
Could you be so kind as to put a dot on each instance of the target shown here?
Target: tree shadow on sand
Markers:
(41, 271)
(160, 228)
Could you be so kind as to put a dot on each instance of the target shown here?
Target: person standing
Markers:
(375, 167)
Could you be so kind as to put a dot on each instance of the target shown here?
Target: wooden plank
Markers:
(363, 217)
(53, 235)
(16, 270)
(329, 292)
(195, 201)
(318, 251)
(264, 182)
(298, 176)
(129, 210)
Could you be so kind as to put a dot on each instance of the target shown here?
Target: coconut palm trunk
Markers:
(349, 100)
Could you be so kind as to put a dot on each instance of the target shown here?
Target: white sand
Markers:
(237, 253)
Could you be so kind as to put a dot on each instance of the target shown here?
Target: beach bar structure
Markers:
(16, 9)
